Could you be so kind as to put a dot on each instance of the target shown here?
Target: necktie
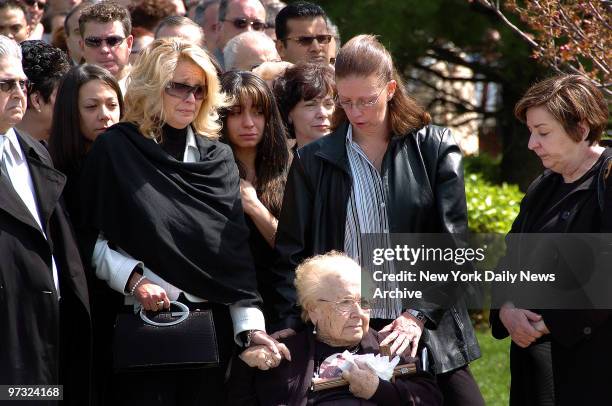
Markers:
(4, 145)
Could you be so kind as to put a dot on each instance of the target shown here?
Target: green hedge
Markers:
(491, 208)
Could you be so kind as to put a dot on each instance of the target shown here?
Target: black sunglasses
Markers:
(41, 5)
(8, 85)
(182, 91)
(96, 42)
(242, 23)
(306, 40)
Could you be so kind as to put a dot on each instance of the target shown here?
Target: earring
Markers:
(314, 330)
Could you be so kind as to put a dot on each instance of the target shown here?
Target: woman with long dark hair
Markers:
(253, 128)
(88, 101)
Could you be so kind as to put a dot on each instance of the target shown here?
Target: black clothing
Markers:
(423, 181)
(183, 220)
(580, 339)
(174, 141)
(43, 341)
(289, 383)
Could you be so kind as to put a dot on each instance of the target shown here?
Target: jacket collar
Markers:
(333, 148)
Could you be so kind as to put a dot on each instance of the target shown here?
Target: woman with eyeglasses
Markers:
(253, 128)
(384, 169)
(337, 318)
(162, 219)
(305, 94)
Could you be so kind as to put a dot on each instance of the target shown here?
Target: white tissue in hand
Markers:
(380, 364)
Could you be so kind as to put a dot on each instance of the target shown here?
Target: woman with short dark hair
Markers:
(555, 352)
(305, 94)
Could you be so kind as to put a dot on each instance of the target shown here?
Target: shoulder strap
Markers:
(605, 192)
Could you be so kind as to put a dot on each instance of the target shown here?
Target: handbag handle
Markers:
(184, 313)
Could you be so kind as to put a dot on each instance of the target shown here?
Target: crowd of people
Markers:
(229, 156)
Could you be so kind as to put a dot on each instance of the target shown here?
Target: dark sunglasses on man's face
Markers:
(306, 40)
(96, 42)
(182, 91)
(8, 85)
(41, 5)
(242, 23)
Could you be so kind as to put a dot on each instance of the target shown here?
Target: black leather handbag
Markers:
(183, 339)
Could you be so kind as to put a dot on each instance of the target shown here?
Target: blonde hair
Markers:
(151, 74)
(319, 272)
(363, 56)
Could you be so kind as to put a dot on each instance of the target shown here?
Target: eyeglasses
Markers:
(306, 40)
(346, 305)
(182, 91)
(242, 23)
(360, 104)
(8, 85)
(96, 42)
(40, 4)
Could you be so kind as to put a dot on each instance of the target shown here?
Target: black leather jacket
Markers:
(423, 180)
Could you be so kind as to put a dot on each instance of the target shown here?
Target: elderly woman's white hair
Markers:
(249, 42)
(319, 272)
(9, 48)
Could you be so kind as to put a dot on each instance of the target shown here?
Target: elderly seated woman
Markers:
(329, 293)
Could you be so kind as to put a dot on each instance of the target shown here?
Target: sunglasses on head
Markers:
(8, 85)
(242, 23)
(96, 42)
(41, 5)
(306, 40)
(182, 91)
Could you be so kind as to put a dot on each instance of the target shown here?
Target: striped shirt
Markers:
(367, 214)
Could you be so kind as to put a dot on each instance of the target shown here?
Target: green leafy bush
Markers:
(491, 208)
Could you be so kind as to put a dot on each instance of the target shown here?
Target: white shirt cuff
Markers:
(246, 318)
(112, 266)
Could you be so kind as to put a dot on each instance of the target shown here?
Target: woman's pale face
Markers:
(179, 111)
(365, 100)
(98, 108)
(338, 326)
(311, 118)
(245, 125)
(551, 143)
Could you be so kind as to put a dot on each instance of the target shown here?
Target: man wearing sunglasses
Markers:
(13, 21)
(236, 17)
(36, 9)
(44, 305)
(302, 33)
(106, 40)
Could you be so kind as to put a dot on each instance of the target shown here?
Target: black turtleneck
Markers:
(174, 141)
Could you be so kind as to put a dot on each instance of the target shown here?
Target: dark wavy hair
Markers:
(44, 65)
(272, 157)
(67, 145)
(303, 81)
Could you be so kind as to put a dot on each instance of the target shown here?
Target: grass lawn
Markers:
(492, 370)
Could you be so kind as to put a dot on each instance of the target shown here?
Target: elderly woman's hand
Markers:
(405, 333)
(261, 357)
(279, 350)
(151, 296)
(363, 382)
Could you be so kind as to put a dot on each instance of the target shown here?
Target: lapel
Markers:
(333, 148)
(48, 183)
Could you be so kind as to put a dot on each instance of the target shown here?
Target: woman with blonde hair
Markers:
(163, 219)
(384, 169)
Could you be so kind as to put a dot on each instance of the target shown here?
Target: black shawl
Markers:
(183, 220)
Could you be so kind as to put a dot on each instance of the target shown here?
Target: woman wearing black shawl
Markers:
(162, 215)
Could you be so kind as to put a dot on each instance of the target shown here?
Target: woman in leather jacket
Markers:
(383, 170)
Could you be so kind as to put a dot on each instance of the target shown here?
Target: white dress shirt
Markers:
(115, 267)
(19, 174)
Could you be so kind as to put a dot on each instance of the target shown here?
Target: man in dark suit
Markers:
(45, 332)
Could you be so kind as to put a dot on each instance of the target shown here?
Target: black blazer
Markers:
(42, 340)
(423, 181)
